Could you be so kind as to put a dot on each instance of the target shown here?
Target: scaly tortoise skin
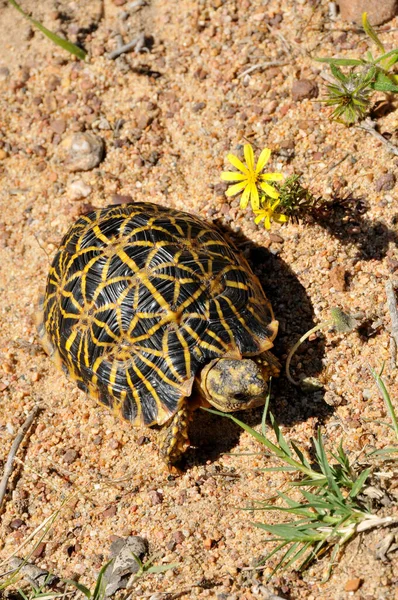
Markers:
(153, 312)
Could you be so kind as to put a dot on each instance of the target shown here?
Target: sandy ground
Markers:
(168, 116)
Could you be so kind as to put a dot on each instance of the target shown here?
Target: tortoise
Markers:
(153, 312)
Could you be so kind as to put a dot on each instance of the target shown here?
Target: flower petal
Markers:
(235, 189)
(267, 222)
(271, 177)
(270, 190)
(238, 164)
(232, 176)
(280, 218)
(244, 201)
(255, 200)
(249, 156)
(263, 159)
(260, 217)
(274, 205)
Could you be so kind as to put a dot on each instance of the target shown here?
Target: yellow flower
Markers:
(267, 212)
(250, 178)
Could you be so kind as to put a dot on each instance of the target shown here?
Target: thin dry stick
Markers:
(136, 44)
(370, 126)
(263, 65)
(393, 310)
(14, 449)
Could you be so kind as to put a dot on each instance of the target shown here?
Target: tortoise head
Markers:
(230, 384)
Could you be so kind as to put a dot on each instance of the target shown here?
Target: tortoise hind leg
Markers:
(174, 438)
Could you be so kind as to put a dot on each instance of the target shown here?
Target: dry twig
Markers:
(14, 449)
(136, 44)
(263, 65)
(370, 126)
(393, 310)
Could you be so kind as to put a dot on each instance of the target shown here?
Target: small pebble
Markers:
(304, 88)
(109, 512)
(39, 550)
(4, 73)
(77, 189)
(178, 537)
(385, 182)
(58, 125)
(198, 106)
(82, 151)
(338, 278)
(155, 497)
(16, 523)
(70, 456)
(378, 12)
(353, 585)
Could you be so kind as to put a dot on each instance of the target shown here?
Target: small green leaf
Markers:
(387, 400)
(99, 590)
(338, 73)
(342, 321)
(371, 32)
(358, 485)
(65, 44)
(383, 83)
(341, 62)
(79, 586)
(393, 54)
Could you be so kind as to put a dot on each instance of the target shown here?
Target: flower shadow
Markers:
(343, 218)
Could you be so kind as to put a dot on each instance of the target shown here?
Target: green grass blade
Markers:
(359, 483)
(265, 411)
(371, 32)
(325, 467)
(79, 586)
(393, 55)
(300, 455)
(304, 548)
(279, 436)
(284, 469)
(65, 44)
(273, 552)
(387, 400)
(342, 62)
(285, 558)
(99, 590)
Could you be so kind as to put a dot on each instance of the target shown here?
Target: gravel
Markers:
(79, 457)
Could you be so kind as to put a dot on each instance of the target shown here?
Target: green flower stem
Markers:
(294, 349)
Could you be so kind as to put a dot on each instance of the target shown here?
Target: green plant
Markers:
(351, 92)
(148, 567)
(330, 511)
(296, 201)
(65, 44)
(342, 322)
(100, 584)
(40, 592)
(99, 589)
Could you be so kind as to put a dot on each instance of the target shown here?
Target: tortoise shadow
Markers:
(289, 405)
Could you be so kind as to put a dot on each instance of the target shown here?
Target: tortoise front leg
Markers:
(173, 441)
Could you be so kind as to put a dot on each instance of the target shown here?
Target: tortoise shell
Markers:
(139, 298)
